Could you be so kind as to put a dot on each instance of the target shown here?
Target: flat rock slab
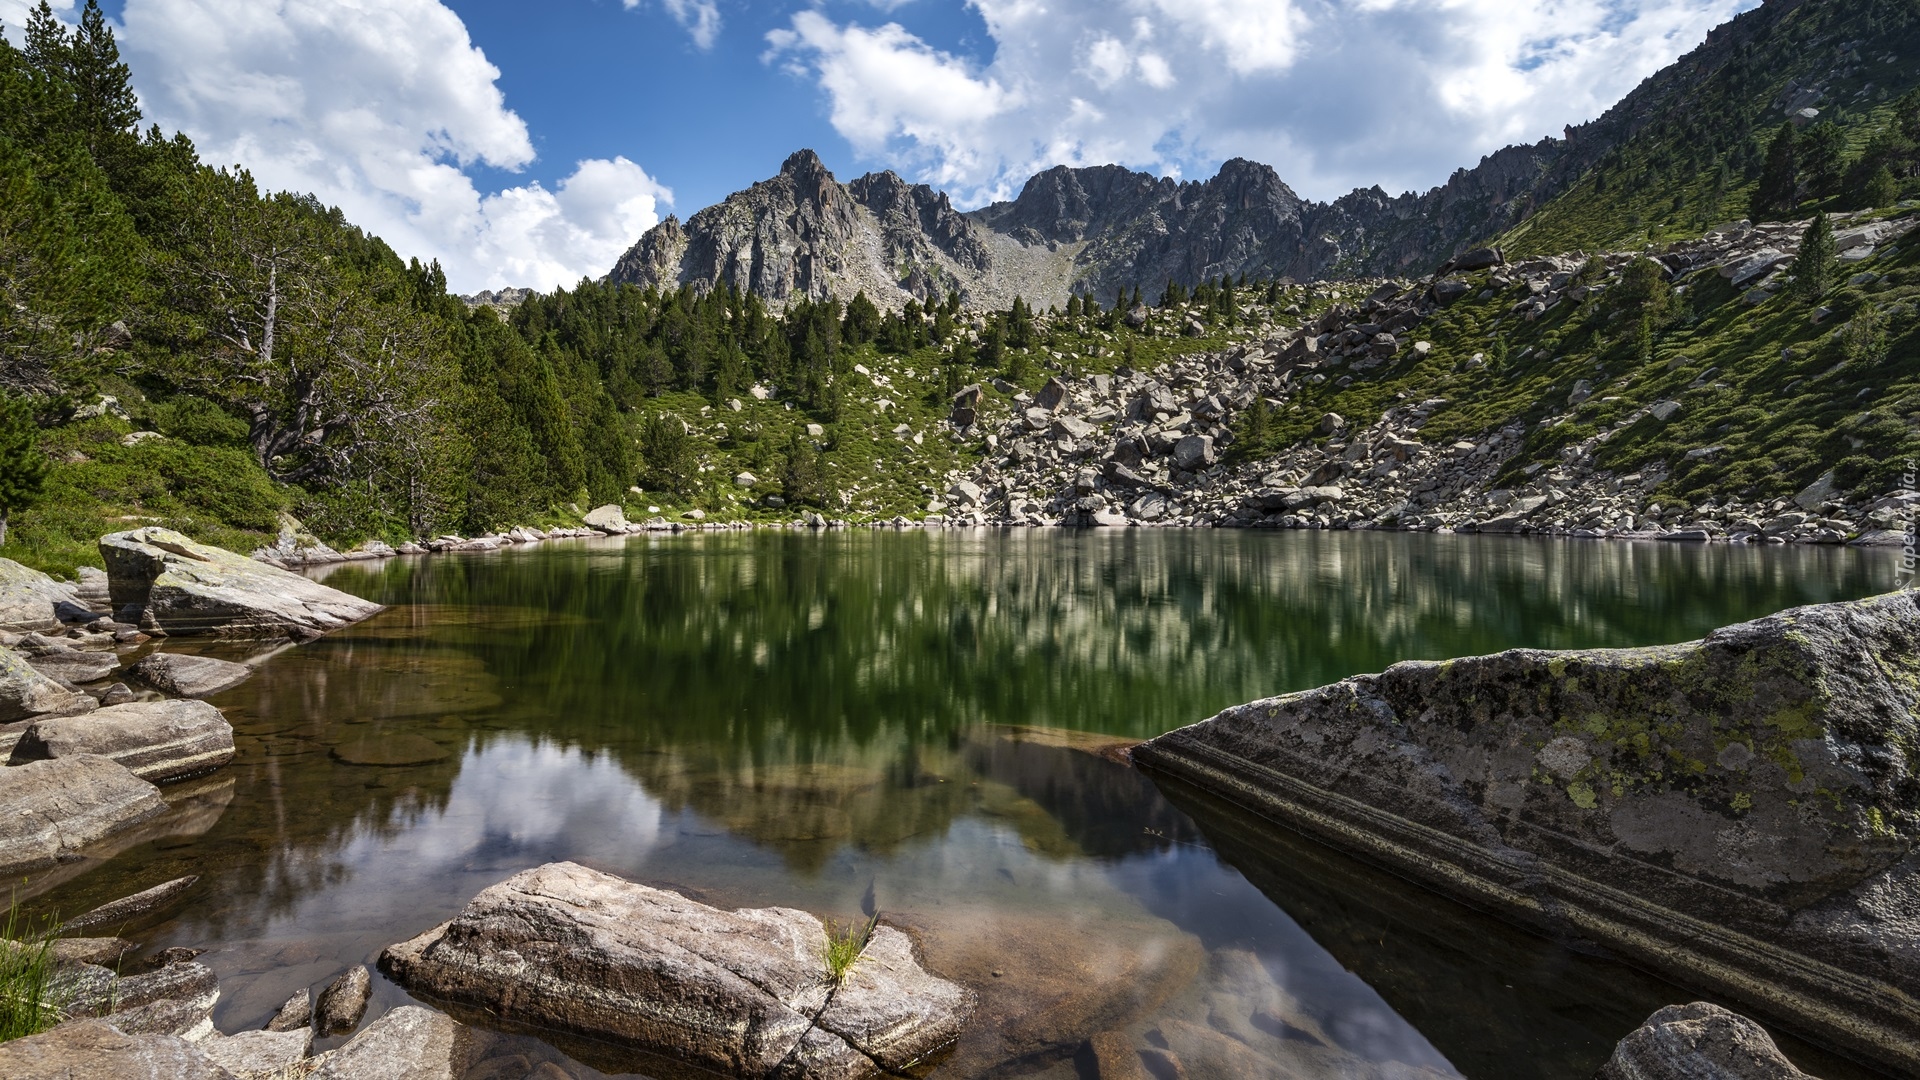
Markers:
(92, 1050)
(156, 740)
(49, 810)
(26, 693)
(28, 597)
(397, 748)
(189, 676)
(409, 1043)
(190, 588)
(259, 1053)
(1701, 1041)
(741, 993)
(128, 907)
(1738, 811)
(75, 666)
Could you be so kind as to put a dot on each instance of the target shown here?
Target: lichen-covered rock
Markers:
(266, 1054)
(26, 693)
(409, 1043)
(189, 588)
(28, 597)
(1701, 1041)
(1740, 812)
(157, 740)
(740, 993)
(344, 1001)
(52, 809)
(92, 1050)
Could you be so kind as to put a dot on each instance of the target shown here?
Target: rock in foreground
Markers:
(28, 598)
(742, 993)
(1700, 1041)
(157, 740)
(26, 693)
(160, 577)
(51, 809)
(92, 1050)
(1738, 813)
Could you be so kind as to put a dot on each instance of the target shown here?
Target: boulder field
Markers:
(1737, 813)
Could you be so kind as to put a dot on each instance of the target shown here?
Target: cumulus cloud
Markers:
(1335, 94)
(699, 18)
(380, 107)
(13, 15)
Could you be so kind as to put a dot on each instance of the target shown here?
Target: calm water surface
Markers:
(786, 719)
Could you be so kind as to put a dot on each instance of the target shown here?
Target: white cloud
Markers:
(379, 107)
(699, 18)
(1335, 94)
(13, 15)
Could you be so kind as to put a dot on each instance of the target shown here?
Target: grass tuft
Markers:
(845, 944)
(31, 998)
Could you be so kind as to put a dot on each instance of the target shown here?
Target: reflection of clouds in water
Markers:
(516, 803)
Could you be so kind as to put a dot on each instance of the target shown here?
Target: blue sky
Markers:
(529, 144)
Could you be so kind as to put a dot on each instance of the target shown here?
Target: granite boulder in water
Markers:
(741, 993)
(156, 740)
(160, 577)
(1739, 813)
(1701, 1041)
(49, 810)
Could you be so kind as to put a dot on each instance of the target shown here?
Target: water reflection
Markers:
(761, 719)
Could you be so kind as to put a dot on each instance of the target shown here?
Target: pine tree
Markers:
(1881, 189)
(1813, 269)
(1779, 189)
(23, 468)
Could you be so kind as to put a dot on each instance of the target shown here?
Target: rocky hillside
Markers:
(1695, 124)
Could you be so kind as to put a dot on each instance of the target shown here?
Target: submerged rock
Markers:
(51, 809)
(189, 676)
(128, 907)
(161, 577)
(740, 993)
(92, 1050)
(1701, 1041)
(1739, 812)
(157, 740)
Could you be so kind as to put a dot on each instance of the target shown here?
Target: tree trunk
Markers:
(3, 528)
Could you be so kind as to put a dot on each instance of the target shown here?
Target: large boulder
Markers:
(189, 676)
(28, 598)
(1739, 813)
(609, 519)
(26, 693)
(739, 993)
(1701, 1041)
(409, 1043)
(188, 588)
(157, 740)
(51, 809)
(92, 1050)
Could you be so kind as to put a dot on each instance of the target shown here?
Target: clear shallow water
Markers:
(794, 719)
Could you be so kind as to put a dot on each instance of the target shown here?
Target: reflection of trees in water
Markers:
(779, 646)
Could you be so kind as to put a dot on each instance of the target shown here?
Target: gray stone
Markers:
(296, 1014)
(28, 597)
(75, 666)
(128, 907)
(409, 1043)
(157, 740)
(268, 1055)
(609, 519)
(1053, 395)
(183, 675)
(1817, 494)
(344, 1001)
(739, 993)
(1663, 411)
(51, 809)
(25, 693)
(191, 588)
(92, 1050)
(1193, 452)
(1701, 1041)
(1784, 877)
(1331, 423)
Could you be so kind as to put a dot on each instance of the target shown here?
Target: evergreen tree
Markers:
(1881, 189)
(802, 477)
(668, 462)
(23, 468)
(1821, 153)
(1779, 188)
(1813, 268)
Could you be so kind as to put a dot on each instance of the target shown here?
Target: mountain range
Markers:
(1101, 229)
